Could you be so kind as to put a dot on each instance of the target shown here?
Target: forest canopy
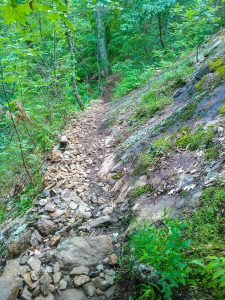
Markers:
(55, 56)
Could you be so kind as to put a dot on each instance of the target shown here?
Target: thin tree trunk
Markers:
(14, 126)
(73, 77)
(160, 31)
(102, 53)
(73, 60)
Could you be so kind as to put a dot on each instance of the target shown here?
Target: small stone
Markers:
(89, 289)
(50, 207)
(44, 283)
(33, 275)
(73, 205)
(49, 269)
(34, 263)
(57, 276)
(80, 271)
(57, 213)
(100, 268)
(48, 297)
(71, 294)
(110, 276)
(54, 240)
(56, 267)
(38, 236)
(100, 283)
(26, 294)
(81, 280)
(62, 284)
(45, 226)
(113, 259)
(43, 202)
(110, 292)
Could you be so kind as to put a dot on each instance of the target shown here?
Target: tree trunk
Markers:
(101, 40)
(73, 60)
(160, 30)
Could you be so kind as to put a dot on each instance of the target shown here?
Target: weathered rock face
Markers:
(84, 251)
(71, 294)
(8, 289)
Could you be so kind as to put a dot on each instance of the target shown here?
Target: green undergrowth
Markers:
(184, 138)
(3, 212)
(160, 95)
(168, 73)
(149, 105)
(180, 255)
(195, 140)
(140, 190)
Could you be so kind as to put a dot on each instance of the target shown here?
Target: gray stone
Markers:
(8, 289)
(89, 289)
(34, 263)
(110, 276)
(96, 222)
(45, 283)
(62, 284)
(84, 251)
(71, 294)
(100, 283)
(80, 270)
(43, 202)
(46, 227)
(57, 276)
(81, 280)
(50, 207)
(110, 292)
(73, 205)
(26, 294)
(48, 297)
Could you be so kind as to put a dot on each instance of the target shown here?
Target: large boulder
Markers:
(8, 289)
(84, 251)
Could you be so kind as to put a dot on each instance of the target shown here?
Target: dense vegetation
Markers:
(55, 57)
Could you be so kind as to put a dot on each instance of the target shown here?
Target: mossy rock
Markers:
(199, 85)
(140, 190)
(221, 72)
(222, 110)
(216, 64)
(118, 176)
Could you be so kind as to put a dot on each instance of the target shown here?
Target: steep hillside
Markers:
(105, 225)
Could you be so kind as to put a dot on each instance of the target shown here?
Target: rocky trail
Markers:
(67, 250)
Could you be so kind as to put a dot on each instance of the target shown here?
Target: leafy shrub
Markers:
(162, 250)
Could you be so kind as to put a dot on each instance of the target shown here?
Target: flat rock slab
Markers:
(96, 222)
(71, 294)
(84, 251)
(8, 289)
